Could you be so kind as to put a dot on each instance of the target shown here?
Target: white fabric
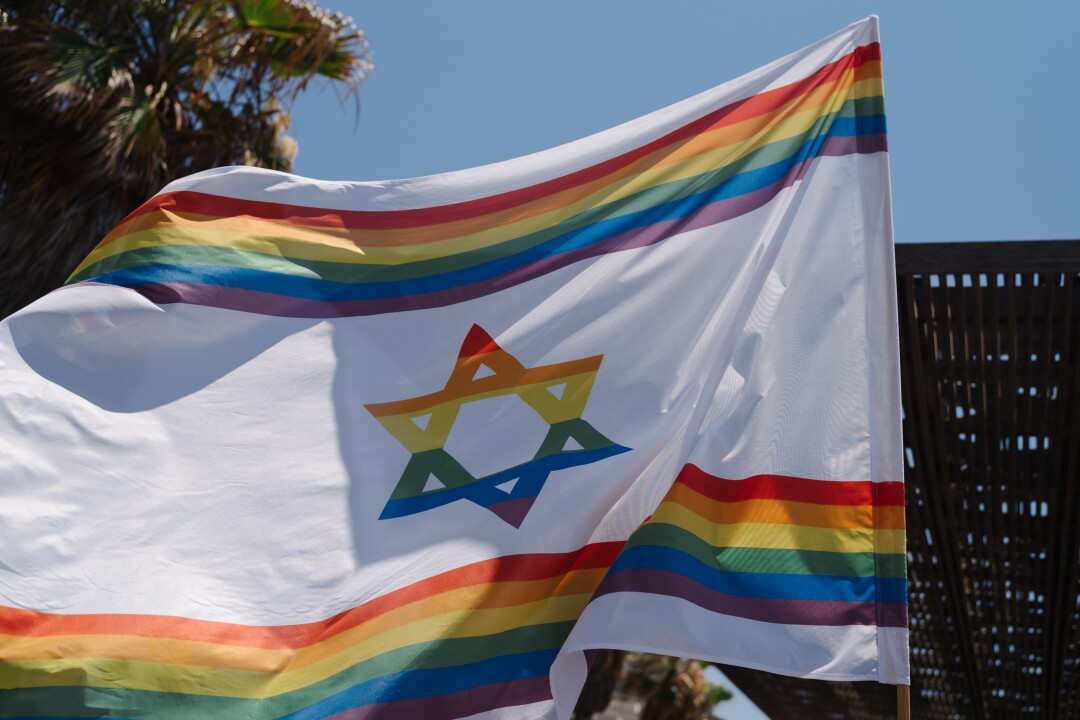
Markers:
(212, 464)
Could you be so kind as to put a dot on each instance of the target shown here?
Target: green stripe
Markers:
(764, 156)
(77, 701)
(892, 565)
(761, 560)
(452, 474)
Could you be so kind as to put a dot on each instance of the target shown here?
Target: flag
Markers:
(284, 448)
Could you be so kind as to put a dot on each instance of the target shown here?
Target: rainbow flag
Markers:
(284, 448)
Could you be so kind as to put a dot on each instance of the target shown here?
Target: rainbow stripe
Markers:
(484, 636)
(768, 548)
(472, 639)
(774, 549)
(296, 261)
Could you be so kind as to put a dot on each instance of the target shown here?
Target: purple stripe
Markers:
(457, 705)
(254, 301)
(783, 612)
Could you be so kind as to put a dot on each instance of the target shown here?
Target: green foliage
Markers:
(81, 66)
(718, 694)
(102, 102)
(269, 17)
(668, 688)
(137, 128)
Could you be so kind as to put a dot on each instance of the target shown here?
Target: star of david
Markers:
(558, 393)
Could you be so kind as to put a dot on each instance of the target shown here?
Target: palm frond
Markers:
(136, 131)
(272, 17)
(342, 64)
(83, 66)
(330, 46)
(102, 102)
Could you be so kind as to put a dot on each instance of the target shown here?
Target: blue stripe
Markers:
(413, 684)
(326, 290)
(532, 474)
(777, 586)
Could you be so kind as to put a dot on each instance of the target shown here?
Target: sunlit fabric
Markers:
(285, 448)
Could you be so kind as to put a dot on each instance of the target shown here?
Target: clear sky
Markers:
(982, 97)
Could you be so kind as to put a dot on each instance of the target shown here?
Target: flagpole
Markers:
(903, 702)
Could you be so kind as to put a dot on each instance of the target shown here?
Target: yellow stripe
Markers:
(787, 511)
(475, 597)
(165, 665)
(551, 409)
(780, 536)
(696, 156)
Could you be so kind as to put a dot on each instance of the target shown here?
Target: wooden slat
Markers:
(1028, 256)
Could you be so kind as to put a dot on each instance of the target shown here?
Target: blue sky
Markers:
(982, 98)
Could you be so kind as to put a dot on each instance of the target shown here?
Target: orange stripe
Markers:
(712, 139)
(767, 105)
(787, 512)
(496, 596)
(15, 621)
(500, 381)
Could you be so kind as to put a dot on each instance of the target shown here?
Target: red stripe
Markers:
(754, 106)
(14, 621)
(793, 489)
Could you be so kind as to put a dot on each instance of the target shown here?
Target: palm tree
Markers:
(102, 102)
(666, 688)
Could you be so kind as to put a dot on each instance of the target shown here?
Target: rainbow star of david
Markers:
(557, 392)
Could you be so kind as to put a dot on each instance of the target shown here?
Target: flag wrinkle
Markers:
(298, 449)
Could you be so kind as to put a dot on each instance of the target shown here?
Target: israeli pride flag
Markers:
(284, 448)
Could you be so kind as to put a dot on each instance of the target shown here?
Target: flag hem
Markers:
(879, 265)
